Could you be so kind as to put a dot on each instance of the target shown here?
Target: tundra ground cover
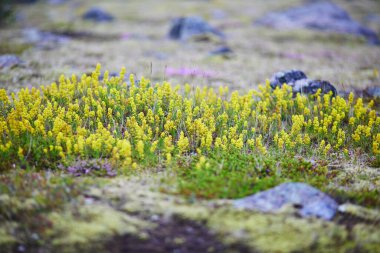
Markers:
(176, 197)
(208, 144)
(220, 143)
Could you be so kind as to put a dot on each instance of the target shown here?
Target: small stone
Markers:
(309, 201)
(185, 28)
(8, 61)
(225, 51)
(97, 15)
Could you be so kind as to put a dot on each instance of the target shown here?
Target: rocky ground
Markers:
(143, 211)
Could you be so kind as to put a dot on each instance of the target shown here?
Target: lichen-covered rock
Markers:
(184, 28)
(300, 83)
(318, 15)
(97, 15)
(313, 86)
(308, 200)
(289, 77)
(92, 224)
(9, 61)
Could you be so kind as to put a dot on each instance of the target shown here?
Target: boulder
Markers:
(96, 14)
(308, 201)
(318, 15)
(185, 28)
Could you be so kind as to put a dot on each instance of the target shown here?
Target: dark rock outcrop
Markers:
(300, 83)
(185, 28)
(288, 77)
(318, 15)
(308, 201)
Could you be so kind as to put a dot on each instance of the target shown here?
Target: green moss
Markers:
(91, 226)
(282, 232)
(278, 233)
(235, 174)
(366, 238)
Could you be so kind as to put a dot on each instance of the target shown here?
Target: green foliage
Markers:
(235, 174)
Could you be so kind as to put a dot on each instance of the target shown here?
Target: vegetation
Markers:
(127, 124)
(215, 144)
(220, 145)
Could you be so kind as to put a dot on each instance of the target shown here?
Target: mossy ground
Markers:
(44, 211)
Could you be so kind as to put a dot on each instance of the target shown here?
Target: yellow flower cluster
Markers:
(91, 118)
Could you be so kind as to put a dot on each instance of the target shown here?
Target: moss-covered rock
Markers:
(91, 226)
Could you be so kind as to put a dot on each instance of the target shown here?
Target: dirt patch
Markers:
(176, 235)
(349, 220)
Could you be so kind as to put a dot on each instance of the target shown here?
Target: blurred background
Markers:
(236, 43)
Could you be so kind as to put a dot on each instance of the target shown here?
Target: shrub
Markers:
(147, 124)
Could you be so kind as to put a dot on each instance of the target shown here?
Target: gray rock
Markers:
(185, 28)
(42, 39)
(300, 83)
(8, 61)
(309, 201)
(314, 85)
(318, 15)
(97, 15)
